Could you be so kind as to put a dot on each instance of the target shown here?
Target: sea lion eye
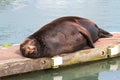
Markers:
(32, 42)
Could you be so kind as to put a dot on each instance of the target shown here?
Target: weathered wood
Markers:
(75, 71)
(15, 66)
(11, 61)
(98, 53)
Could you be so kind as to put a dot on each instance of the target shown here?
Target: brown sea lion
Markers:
(63, 35)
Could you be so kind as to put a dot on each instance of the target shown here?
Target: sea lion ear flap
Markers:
(87, 35)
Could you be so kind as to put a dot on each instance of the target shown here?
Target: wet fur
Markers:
(64, 35)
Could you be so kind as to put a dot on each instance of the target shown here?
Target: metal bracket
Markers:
(57, 60)
(113, 50)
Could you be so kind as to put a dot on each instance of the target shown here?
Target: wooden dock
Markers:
(12, 62)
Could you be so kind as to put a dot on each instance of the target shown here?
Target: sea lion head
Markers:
(30, 48)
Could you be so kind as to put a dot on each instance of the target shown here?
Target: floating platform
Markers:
(12, 62)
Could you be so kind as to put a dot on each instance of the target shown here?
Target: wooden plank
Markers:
(11, 61)
(16, 66)
(98, 53)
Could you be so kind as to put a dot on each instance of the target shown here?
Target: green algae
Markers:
(5, 45)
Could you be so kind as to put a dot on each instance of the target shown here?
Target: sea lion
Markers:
(63, 35)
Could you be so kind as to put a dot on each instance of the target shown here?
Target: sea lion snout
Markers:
(30, 49)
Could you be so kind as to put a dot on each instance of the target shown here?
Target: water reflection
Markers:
(12, 4)
(51, 4)
(21, 18)
(101, 70)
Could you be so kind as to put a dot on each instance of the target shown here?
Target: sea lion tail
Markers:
(104, 33)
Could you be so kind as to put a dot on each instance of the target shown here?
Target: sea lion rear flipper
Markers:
(87, 35)
(104, 33)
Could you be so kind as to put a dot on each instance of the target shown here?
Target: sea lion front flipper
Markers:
(86, 34)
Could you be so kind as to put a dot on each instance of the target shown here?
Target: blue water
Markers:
(20, 18)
